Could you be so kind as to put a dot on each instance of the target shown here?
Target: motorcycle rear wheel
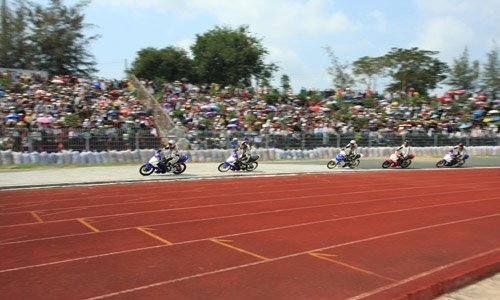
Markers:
(331, 164)
(386, 164)
(405, 164)
(224, 168)
(146, 171)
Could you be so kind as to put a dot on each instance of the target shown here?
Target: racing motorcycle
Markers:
(158, 165)
(232, 163)
(452, 160)
(396, 160)
(343, 160)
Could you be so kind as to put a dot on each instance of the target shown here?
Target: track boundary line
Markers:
(215, 177)
(126, 291)
(423, 274)
(245, 233)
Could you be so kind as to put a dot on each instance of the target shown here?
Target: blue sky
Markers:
(295, 31)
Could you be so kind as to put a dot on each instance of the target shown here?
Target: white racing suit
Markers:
(351, 151)
(172, 156)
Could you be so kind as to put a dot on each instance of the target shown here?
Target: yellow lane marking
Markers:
(225, 244)
(36, 216)
(328, 257)
(147, 231)
(87, 224)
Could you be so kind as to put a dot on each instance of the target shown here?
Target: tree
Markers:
(338, 71)
(57, 38)
(21, 50)
(229, 56)
(414, 68)
(5, 36)
(370, 67)
(463, 74)
(285, 83)
(491, 72)
(168, 64)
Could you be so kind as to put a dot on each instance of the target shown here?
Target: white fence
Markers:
(213, 155)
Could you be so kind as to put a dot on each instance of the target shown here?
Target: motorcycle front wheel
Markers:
(223, 167)
(440, 163)
(146, 171)
(355, 163)
(252, 166)
(460, 162)
(331, 164)
(179, 168)
(386, 164)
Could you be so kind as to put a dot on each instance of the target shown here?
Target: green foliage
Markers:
(57, 40)
(167, 64)
(229, 56)
(338, 71)
(72, 120)
(491, 73)
(369, 67)
(414, 68)
(285, 82)
(463, 74)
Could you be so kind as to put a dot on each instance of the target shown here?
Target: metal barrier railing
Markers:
(102, 139)
(55, 140)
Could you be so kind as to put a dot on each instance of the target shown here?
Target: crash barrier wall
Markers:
(213, 155)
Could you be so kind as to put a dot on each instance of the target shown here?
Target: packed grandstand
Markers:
(67, 112)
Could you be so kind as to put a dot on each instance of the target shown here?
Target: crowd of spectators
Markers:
(222, 113)
(63, 108)
(68, 110)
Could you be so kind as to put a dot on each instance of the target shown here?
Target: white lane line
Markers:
(118, 293)
(262, 213)
(236, 203)
(227, 236)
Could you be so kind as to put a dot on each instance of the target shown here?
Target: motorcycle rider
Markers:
(404, 150)
(351, 150)
(172, 153)
(459, 150)
(245, 151)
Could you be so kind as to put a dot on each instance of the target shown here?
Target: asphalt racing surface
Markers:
(195, 171)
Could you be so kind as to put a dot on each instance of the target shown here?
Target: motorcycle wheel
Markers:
(179, 168)
(252, 166)
(386, 164)
(224, 168)
(146, 171)
(405, 164)
(440, 163)
(460, 163)
(355, 163)
(331, 164)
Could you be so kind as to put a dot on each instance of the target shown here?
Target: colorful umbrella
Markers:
(43, 120)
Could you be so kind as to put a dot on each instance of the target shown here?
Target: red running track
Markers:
(373, 235)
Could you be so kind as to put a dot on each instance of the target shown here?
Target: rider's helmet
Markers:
(460, 145)
(352, 142)
(406, 143)
(171, 143)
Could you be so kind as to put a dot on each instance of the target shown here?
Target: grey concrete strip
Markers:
(195, 171)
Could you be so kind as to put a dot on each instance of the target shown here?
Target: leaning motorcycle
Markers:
(155, 164)
(451, 160)
(397, 160)
(342, 160)
(233, 164)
